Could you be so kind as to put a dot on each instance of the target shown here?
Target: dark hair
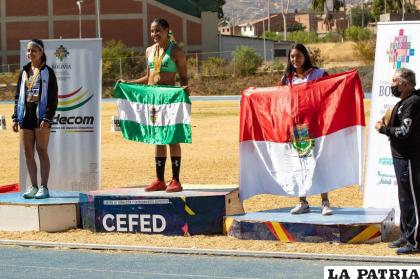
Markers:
(290, 68)
(41, 43)
(162, 22)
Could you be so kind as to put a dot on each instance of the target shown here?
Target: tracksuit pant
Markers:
(407, 172)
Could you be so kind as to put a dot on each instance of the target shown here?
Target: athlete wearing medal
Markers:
(36, 101)
(164, 60)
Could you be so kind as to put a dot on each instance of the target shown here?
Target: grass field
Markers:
(211, 159)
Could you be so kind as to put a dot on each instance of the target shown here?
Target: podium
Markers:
(56, 214)
(346, 225)
(198, 209)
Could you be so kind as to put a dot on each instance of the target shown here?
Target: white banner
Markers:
(74, 147)
(397, 45)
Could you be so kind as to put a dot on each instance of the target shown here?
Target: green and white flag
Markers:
(154, 114)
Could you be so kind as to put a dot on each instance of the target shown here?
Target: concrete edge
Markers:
(212, 252)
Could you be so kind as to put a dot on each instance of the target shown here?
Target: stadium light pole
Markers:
(79, 4)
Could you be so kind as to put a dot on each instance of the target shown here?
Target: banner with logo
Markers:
(74, 146)
(397, 46)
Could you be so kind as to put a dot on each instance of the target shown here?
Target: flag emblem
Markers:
(301, 141)
(153, 115)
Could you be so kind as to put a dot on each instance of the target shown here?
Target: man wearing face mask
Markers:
(403, 131)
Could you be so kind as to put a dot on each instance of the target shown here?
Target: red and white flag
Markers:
(302, 139)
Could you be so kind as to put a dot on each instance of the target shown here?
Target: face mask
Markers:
(395, 91)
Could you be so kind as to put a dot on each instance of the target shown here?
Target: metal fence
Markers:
(131, 67)
(199, 65)
(9, 68)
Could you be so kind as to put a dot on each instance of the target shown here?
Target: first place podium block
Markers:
(199, 209)
(56, 214)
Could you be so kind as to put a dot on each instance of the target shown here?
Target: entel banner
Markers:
(74, 146)
(397, 46)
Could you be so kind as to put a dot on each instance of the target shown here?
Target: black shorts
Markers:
(30, 121)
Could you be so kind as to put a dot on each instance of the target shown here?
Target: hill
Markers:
(242, 10)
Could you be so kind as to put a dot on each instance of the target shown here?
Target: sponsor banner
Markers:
(370, 272)
(397, 46)
(74, 147)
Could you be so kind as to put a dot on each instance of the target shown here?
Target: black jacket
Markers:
(404, 128)
(52, 93)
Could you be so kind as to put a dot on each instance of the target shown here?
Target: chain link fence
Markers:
(200, 65)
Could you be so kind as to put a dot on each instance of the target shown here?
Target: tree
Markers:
(247, 60)
(284, 12)
(296, 27)
(357, 33)
(220, 4)
(360, 17)
(118, 59)
(225, 21)
(378, 7)
(321, 6)
(271, 36)
(392, 6)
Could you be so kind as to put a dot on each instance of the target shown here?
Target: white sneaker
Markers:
(30, 192)
(326, 209)
(43, 193)
(302, 207)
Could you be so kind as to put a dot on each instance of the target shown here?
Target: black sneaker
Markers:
(407, 249)
(397, 243)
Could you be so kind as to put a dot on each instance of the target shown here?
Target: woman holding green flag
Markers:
(164, 60)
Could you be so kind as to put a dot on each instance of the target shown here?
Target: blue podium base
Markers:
(58, 213)
(199, 209)
(346, 225)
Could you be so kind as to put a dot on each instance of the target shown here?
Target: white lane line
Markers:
(171, 275)
(210, 252)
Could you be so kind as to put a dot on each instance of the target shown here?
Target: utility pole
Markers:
(363, 14)
(79, 4)
(263, 31)
(269, 17)
(98, 19)
(265, 48)
(284, 13)
(233, 22)
(403, 9)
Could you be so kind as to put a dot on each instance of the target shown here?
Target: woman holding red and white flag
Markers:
(300, 69)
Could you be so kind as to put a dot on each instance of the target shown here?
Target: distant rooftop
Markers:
(192, 7)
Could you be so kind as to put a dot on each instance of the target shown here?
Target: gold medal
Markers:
(156, 77)
(31, 95)
(157, 62)
(35, 75)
